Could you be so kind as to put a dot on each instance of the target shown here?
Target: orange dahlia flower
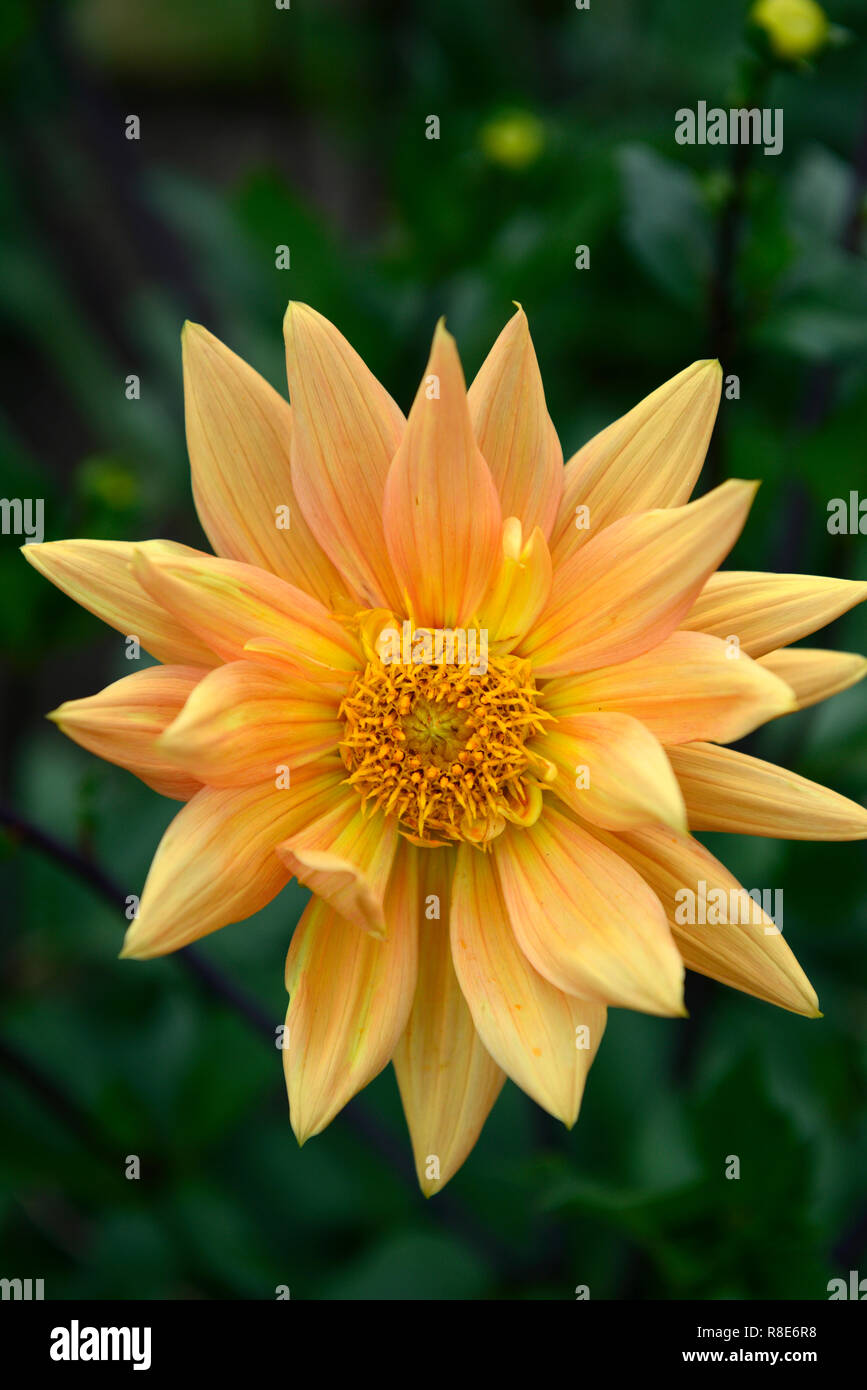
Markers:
(475, 701)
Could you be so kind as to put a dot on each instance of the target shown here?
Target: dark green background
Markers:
(306, 127)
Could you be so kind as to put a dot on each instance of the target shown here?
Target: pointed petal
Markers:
(238, 435)
(217, 862)
(765, 611)
(245, 722)
(543, 1039)
(123, 723)
(346, 432)
(585, 920)
(727, 790)
(227, 604)
(520, 587)
(813, 674)
(98, 575)
(350, 999)
(613, 771)
(687, 688)
(649, 458)
(345, 857)
(628, 589)
(448, 1082)
(751, 955)
(514, 430)
(441, 511)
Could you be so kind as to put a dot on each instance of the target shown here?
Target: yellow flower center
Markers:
(443, 747)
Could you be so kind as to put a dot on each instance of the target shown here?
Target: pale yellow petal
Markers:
(543, 1039)
(613, 771)
(813, 674)
(765, 611)
(520, 587)
(346, 858)
(514, 430)
(448, 1081)
(728, 790)
(650, 457)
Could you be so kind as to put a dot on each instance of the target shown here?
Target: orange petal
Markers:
(543, 1039)
(227, 604)
(520, 588)
(628, 589)
(244, 722)
(350, 998)
(238, 435)
(123, 722)
(612, 771)
(217, 862)
(765, 611)
(346, 432)
(345, 857)
(514, 430)
(815, 675)
(97, 575)
(441, 512)
(749, 955)
(687, 688)
(649, 458)
(585, 920)
(448, 1081)
(727, 790)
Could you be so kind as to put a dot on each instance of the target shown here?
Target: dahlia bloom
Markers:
(496, 834)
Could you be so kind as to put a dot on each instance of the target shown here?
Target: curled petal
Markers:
(123, 723)
(345, 857)
(442, 514)
(217, 862)
(629, 587)
(520, 587)
(543, 1039)
(514, 430)
(613, 771)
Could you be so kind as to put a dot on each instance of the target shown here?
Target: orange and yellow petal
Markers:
(448, 1080)
(123, 723)
(218, 863)
(346, 431)
(613, 771)
(628, 588)
(244, 723)
(520, 586)
(442, 514)
(750, 954)
(99, 576)
(732, 791)
(350, 997)
(346, 857)
(649, 458)
(239, 432)
(813, 674)
(765, 611)
(545, 1040)
(690, 687)
(514, 431)
(585, 920)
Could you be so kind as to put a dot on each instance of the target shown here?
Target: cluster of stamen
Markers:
(443, 747)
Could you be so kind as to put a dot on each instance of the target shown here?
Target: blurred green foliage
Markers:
(306, 127)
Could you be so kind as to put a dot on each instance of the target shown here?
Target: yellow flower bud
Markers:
(515, 139)
(795, 28)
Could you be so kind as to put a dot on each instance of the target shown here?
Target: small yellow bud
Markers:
(795, 28)
(515, 139)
